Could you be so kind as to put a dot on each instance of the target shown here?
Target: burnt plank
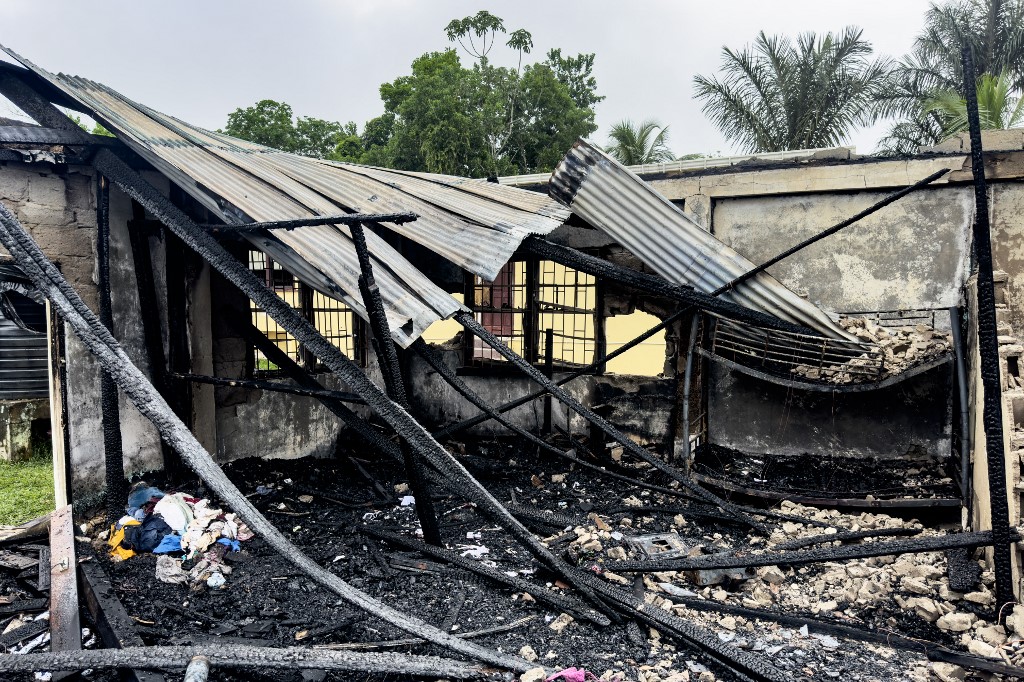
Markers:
(113, 623)
(65, 626)
(19, 635)
(15, 561)
(43, 581)
(24, 606)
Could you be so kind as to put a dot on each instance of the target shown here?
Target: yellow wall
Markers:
(647, 359)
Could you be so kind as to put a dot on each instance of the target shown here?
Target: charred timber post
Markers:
(149, 316)
(393, 383)
(988, 348)
(116, 488)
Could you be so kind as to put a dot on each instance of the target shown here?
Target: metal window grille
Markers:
(501, 307)
(331, 317)
(527, 298)
(567, 304)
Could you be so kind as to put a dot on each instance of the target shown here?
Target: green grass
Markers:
(26, 489)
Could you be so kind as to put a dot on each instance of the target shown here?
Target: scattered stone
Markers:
(533, 675)
(729, 623)
(561, 623)
(772, 575)
(916, 586)
(947, 672)
(993, 634)
(616, 553)
(528, 654)
(558, 478)
(982, 596)
(956, 622)
(979, 648)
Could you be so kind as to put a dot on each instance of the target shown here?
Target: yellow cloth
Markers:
(116, 536)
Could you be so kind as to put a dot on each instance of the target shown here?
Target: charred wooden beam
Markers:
(846, 536)
(243, 657)
(469, 322)
(933, 651)
(387, 356)
(811, 556)
(988, 349)
(113, 625)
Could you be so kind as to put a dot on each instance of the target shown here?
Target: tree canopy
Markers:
(638, 143)
(474, 120)
(273, 124)
(932, 71)
(781, 94)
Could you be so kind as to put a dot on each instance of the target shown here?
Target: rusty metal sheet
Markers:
(616, 201)
(476, 227)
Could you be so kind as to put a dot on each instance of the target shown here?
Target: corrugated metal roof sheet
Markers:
(474, 224)
(613, 199)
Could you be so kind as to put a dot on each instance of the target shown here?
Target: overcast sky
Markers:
(201, 60)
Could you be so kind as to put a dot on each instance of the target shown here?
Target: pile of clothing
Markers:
(180, 529)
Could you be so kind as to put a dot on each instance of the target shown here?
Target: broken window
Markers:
(332, 318)
(530, 297)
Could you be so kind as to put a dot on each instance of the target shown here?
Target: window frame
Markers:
(306, 307)
(531, 317)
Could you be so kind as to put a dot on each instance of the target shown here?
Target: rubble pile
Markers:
(900, 348)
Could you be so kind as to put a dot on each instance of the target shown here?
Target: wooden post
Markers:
(65, 626)
(58, 408)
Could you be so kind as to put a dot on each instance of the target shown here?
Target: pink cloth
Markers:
(573, 675)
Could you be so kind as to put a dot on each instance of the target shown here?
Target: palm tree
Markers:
(634, 144)
(997, 108)
(995, 31)
(779, 94)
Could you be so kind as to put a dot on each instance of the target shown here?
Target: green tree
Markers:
(267, 122)
(998, 108)
(273, 124)
(781, 94)
(484, 119)
(634, 144)
(995, 31)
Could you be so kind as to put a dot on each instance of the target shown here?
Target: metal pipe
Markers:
(988, 347)
(687, 375)
(116, 486)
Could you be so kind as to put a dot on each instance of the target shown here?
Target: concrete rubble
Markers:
(901, 348)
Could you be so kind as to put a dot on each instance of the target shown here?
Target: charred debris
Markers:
(563, 546)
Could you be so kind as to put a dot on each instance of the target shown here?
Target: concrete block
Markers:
(48, 190)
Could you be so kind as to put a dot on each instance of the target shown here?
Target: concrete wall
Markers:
(912, 254)
(59, 211)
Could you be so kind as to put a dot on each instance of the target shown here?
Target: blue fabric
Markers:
(171, 543)
(233, 544)
(138, 498)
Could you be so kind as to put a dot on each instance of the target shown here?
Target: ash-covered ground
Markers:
(321, 505)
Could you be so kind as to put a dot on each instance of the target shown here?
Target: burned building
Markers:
(685, 332)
